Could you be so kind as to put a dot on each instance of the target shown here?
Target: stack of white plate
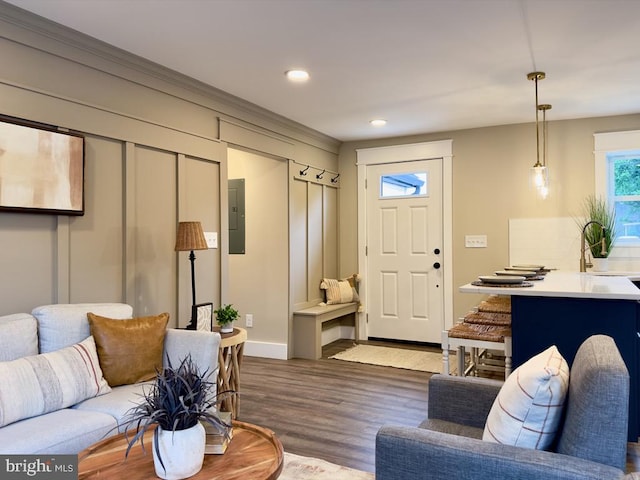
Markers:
(518, 273)
(501, 279)
(538, 269)
(514, 275)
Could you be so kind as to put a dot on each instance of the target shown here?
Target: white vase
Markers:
(182, 452)
(228, 328)
(600, 264)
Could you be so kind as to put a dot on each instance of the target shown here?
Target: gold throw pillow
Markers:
(130, 351)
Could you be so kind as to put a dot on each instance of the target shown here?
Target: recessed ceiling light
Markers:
(297, 75)
(378, 122)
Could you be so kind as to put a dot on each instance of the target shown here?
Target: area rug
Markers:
(396, 357)
(297, 467)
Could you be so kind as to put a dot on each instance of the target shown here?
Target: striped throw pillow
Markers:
(38, 384)
(339, 291)
(528, 408)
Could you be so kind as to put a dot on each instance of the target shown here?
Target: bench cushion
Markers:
(323, 313)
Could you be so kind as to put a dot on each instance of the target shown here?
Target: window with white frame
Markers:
(617, 171)
(624, 194)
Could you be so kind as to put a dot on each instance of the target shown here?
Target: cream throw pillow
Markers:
(528, 408)
(339, 291)
(38, 384)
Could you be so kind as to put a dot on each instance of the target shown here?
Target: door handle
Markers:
(436, 265)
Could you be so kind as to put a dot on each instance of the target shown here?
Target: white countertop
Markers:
(569, 284)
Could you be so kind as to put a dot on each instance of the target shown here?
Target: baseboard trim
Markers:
(277, 351)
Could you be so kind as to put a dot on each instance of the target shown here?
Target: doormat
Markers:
(297, 467)
(397, 357)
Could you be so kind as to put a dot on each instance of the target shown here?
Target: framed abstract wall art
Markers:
(41, 168)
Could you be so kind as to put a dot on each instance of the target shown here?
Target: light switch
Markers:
(475, 241)
(212, 239)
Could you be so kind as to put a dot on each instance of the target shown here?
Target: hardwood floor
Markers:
(332, 409)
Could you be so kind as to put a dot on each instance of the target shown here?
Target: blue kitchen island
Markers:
(566, 308)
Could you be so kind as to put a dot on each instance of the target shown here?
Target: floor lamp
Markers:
(190, 237)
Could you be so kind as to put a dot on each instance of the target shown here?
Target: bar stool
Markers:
(482, 332)
(495, 304)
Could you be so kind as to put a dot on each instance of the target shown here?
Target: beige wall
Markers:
(259, 278)
(314, 234)
(490, 186)
(200, 200)
(156, 153)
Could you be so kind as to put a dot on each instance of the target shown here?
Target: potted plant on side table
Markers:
(225, 316)
(177, 403)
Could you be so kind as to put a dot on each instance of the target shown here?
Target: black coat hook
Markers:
(335, 179)
(319, 176)
(304, 172)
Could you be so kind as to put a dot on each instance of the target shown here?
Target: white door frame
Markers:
(407, 153)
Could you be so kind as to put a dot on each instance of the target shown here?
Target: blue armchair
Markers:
(591, 444)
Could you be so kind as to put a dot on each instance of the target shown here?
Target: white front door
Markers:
(404, 250)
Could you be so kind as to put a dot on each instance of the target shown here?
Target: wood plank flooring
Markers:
(332, 409)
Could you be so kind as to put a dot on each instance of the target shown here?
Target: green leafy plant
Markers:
(179, 399)
(596, 209)
(225, 315)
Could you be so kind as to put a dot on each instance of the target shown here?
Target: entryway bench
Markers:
(308, 323)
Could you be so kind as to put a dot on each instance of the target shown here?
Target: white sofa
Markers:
(69, 430)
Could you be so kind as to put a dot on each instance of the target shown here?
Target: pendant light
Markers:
(539, 171)
(543, 189)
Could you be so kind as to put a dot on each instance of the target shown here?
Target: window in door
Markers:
(403, 185)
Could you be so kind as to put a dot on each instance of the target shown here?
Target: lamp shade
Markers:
(190, 237)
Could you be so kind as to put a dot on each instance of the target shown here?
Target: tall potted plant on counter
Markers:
(177, 403)
(598, 230)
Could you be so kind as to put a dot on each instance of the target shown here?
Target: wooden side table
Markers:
(254, 453)
(229, 363)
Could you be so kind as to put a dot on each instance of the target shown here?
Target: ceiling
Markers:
(423, 65)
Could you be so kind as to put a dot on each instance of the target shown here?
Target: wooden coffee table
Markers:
(253, 453)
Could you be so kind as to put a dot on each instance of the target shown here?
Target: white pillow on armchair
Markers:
(529, 406)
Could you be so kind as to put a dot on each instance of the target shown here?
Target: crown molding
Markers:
(26, 28)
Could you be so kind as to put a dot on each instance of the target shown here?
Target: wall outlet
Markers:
(248, 320)
(211, 239)
(475, 241)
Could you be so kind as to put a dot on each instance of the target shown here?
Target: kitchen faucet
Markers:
(603, 246)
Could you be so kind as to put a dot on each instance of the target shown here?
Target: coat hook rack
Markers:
(304, 172)
(335, 179)
(319, 176)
